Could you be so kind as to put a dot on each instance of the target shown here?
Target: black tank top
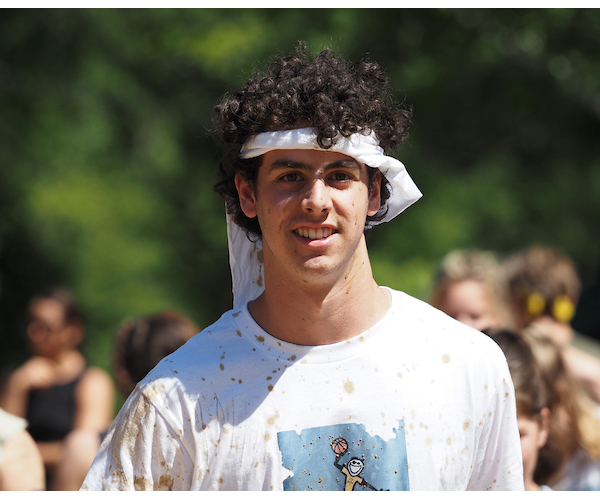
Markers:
(51, 411)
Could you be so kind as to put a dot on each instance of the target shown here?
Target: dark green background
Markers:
(107, 157)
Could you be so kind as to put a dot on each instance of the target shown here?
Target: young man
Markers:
(318, 379)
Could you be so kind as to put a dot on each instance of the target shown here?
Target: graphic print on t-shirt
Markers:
(344, 457)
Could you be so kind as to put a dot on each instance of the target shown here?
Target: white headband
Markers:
(246, 257)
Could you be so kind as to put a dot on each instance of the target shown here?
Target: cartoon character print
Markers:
(360, 461)
(352, 469)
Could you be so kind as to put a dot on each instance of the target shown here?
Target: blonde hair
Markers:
(476, 265)
(569, 406)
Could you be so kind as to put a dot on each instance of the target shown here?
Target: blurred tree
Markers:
(108, 159)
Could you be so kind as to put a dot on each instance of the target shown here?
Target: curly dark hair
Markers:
(324, 92)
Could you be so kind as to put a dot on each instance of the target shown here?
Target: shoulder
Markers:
(199, 358)
(412, 309)
(95, 378)
(203, 345)
(95, 393)
(434, 333)
(434, 323)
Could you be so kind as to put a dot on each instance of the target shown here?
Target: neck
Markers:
(322, 310)
(60, 357)
(66, 365)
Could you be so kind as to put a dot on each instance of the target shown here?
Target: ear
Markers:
(375, 194)
(247, 196)
(543, 436)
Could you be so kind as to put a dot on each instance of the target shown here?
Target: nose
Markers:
(317, 199)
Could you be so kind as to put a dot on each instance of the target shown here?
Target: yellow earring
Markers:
(563, 309)
(535, 304)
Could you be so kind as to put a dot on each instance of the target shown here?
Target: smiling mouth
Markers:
(315, 234)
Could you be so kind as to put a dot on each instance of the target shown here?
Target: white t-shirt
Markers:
(10, 426)
(580, 473)
(421, 402)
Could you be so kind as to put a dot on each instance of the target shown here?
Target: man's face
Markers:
(311, 207)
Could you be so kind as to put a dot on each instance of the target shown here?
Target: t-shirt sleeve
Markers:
(10, 426)
(141, 451)
(498, 461)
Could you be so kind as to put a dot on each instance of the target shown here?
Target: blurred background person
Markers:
(470, 287)
(532, 407)
(544, 291)
(570, 459)
(21, 465)
(55, 390)
(139, 345)
(142, 343)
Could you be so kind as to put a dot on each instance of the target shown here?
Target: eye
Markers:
(291, 177)
(341, 177)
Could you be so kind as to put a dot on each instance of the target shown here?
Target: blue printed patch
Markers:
(344, 457)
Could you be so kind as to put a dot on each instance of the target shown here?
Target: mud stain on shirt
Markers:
(126, 433)
(349, 387)
(165, 483)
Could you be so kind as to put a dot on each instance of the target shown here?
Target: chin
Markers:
(319, 266)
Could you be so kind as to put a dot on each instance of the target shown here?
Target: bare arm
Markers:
(14, 396)
(36, 373)
(95, 396)
(22, 468)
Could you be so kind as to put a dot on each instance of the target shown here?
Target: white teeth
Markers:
(314, 234)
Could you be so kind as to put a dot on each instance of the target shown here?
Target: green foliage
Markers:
(108, 158)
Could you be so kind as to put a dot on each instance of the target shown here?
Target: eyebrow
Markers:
(350, 163)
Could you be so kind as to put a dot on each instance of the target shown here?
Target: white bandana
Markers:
(246, 257)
